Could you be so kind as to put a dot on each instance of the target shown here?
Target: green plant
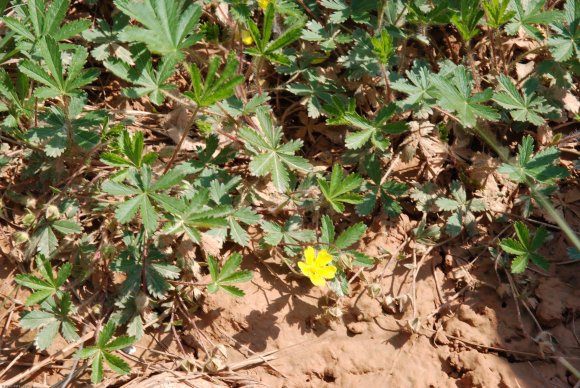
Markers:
(102, 353)
(525, 247)
(226, 276)
(269, 155)
(339, 190)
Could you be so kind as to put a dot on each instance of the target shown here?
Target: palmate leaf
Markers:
(168, 25)
(384, 193)
(50, 320)
(48, 284)
(54, 81)
(228, 275)
(420, 90)
(39, 19)
(542, 167)
(265, 48)
(462, 210)
(358, 11)
(526, 16)
(338, 247)
(290, 234)
(151, 272)
(467, 19)
(455, 95)
(566, 42)
(102, 352)
(375, 130)
(525, 247)
(144, 193)
(527, 107)
(497, 12)
(270, 156)
(128, 153)
(340, 188)
(148, 81)
(213, 88)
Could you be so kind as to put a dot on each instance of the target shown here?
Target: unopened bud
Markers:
(20, 238)
(52, 213)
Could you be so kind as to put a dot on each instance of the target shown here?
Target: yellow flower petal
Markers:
(317, 280)
(263, 4)
(247, 38)
(305, 268)
(323, 258)
(327, 272)
(309, 255)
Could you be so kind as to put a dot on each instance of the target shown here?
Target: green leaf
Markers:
(512, 246)
(526, 107)
(456, 95)
(339, 190)
(46, 335)
(67, 227)
(35, 319)
(168, 25)
(350, 236)
(97, 368)
(221, 279)
(519, 264)
(327, 230)
(527, 16)
(270, 156)
(212, 89)
(116, 364)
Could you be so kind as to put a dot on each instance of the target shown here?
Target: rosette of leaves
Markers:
(462, 210)
(338, 247)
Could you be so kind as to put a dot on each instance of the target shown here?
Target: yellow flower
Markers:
(316, 267)
(263, 4)
(247, 38)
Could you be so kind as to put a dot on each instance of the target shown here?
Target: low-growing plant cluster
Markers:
(293, 121)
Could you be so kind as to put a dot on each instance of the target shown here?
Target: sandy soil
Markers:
(287, 333)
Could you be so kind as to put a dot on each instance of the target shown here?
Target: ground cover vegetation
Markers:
(148, 148)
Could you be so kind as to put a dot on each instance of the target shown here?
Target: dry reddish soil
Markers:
(287, 333)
